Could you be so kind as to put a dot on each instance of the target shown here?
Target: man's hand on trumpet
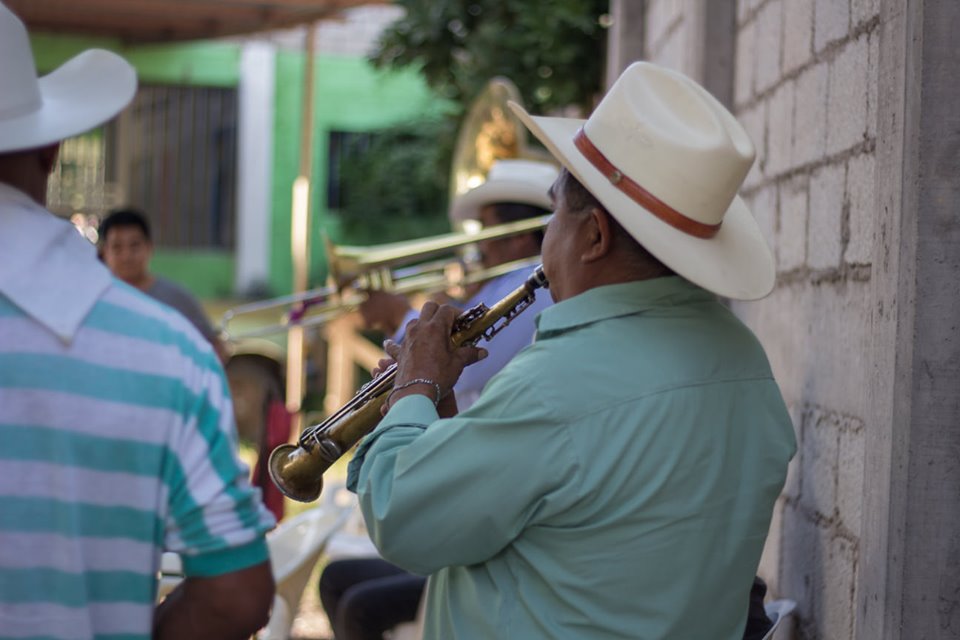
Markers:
(427, 362)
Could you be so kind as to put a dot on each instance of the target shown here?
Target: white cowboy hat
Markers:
(666, 160)
(519, 181)
(84, 92)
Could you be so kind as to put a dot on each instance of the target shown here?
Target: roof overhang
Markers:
(148, 21)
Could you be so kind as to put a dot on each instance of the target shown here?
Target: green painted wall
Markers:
(207, 274)
(350, 95)
(209, 64)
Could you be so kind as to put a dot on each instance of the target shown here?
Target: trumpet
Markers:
(297, 470)
(385, 267)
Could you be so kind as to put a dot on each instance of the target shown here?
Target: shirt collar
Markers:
(46, 268)
(611, 301)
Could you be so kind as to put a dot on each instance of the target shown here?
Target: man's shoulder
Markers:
(138, 314)
(163, 288)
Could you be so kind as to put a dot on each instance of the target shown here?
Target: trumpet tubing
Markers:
(297, 470)
(387, 267)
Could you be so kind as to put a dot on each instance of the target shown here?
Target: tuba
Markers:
(490, 131)
(297, 470)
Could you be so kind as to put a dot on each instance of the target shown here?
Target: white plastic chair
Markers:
(777, 610)
(295, 546)
(352, 539)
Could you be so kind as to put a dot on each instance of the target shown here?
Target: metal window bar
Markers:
(182, 151)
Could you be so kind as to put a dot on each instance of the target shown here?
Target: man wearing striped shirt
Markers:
(117, 438)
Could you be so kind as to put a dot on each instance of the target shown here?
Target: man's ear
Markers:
(48, 157)
(598, 234)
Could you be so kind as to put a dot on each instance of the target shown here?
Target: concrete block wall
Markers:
(805, 88)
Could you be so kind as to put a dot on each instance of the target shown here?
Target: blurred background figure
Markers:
(126, 247)
(363, 597)
(514, 190)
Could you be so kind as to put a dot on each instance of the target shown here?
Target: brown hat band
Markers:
(640, 195)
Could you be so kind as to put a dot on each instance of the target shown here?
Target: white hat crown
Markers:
(509, 180)
(671, 137)
(81, 94)
(18, 75)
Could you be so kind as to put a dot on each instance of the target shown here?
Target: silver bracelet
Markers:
(435, 385)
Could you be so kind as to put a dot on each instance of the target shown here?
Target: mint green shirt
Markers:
(615, 480)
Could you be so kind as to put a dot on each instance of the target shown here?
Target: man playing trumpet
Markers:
(617, 478)
(363, 597)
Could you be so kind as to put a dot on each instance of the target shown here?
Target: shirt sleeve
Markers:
(215, 521)
(438, 493)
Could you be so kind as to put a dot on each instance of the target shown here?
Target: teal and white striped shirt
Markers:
(117, 442)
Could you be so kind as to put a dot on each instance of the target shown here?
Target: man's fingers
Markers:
(472, 354)
(391, 348)
(428, 310)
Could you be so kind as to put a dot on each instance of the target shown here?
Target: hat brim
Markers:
(468, 205)
(736, 263)
(81, 94)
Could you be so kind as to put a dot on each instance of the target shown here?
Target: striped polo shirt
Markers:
(117, 442)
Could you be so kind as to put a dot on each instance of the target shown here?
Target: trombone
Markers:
(398, 267)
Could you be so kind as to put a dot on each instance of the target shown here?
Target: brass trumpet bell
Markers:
(295, 472)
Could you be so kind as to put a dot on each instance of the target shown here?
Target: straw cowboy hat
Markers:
(666, 160)
(86, 91)
(519, 181)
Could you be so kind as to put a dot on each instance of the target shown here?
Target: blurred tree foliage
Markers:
(553, 50)
(395, 183)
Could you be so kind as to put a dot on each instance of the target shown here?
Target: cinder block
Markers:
(763, 204)
(672, 53)
(834, 316)
(861, 197)
(746, 7)
(797, 34)
(791, 485)
(850, 476)
(746, 64)
(769, 41)
(810, 115)
(754, 121)
(792, 233)
(831, 22)
(824, 245)
(863, 11)
(847, 91)
(801, 560)
(780, 130)
(818, 482)
(835, 604)
(660, 15)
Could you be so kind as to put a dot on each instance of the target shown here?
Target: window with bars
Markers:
(177, 146)
(171, 153)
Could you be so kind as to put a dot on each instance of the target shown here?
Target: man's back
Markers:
(116, 444)
(634, 499)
